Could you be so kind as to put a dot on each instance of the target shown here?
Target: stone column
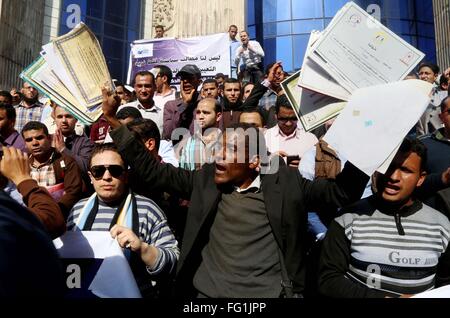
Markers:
(441, 9)
(183, 18)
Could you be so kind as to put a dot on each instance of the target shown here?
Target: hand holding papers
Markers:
(114, 278)
(354, 51)
(375, 122)
(71, 71)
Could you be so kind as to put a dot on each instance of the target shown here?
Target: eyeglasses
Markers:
(285, 120)
(99, 171)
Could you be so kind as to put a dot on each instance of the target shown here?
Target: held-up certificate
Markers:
(358, 51)
(41, 76)
(314, 78)
(312, 109)
(82, 61)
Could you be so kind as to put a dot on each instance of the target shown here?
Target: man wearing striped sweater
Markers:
(139, 225)
(388, 245)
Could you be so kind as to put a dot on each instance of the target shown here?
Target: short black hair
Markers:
(269, 66)
(282, 101)
(7, 95)
(109, 146)
(144, 73)
(414, 145)
(145, 129)
(128, 112)
(261, 148)
(211, 81)
(10, 111)
(430, 65)
(159, 26)
(444, 103)
(165, 71)
(231, 81)
(35, 125)
(252, 111)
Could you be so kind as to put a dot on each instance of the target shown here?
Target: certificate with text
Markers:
(358, 51)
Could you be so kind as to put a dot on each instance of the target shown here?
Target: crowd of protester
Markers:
(155, 171)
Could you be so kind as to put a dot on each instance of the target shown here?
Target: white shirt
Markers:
(161, 100)
(250, 57)
(155, 113)
(296, 144)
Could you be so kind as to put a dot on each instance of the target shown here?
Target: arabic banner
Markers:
(210, 53)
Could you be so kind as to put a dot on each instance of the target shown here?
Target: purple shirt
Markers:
(15, 140)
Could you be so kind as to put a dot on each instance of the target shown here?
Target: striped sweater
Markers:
(153, 230)
(370, 253)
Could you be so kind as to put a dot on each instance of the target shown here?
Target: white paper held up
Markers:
(376, 120)
(114, 278)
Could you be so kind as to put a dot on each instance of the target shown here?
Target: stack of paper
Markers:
(356, 66)
(71, 71)
(355, 51)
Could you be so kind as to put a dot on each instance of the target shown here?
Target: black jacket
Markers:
(287, 195)
(29, 266)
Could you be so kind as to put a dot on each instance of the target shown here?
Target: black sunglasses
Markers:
(115, 170)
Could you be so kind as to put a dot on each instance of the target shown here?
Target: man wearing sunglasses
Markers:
(139, 225)
(287, 138)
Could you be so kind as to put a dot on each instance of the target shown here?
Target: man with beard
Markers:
(390, 244)
(29, 109)
(67, 142)
(232, 106)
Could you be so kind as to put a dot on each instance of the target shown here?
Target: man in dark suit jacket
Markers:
(239, 218)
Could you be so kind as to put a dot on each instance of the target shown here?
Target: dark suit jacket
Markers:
(287, 195)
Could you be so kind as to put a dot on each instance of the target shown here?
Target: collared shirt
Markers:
(296, 144)
(198, 151)
(80, 148)
(155, 113)
(161, 100)
(251, 58)
(43, 173)
(15, 140)
(26, 114)
(255, 186)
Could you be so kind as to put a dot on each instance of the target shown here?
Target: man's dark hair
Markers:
(144, 73)
(165, 71)
(259, 147)
(145, 129)
(253, 111)
(232, 26)
(268, 67)
(282, 101)
(10, 111)
(128, 112)
(444, 104)
(231, 81)
(7, 95)
(100, 148)
(430, 65)
(413, 145)
(443, 81)
(159, 26)
(211, 81)
(35, 125)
